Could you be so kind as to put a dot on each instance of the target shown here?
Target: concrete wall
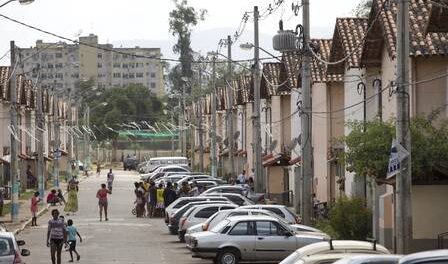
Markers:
(388, 75)
(430, 217)
(88, 58)
(249, 137)
(320, 139)
(277, 127)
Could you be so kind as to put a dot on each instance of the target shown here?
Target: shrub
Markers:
(349, 218)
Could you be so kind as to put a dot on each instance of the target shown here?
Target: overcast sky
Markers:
(116, 21)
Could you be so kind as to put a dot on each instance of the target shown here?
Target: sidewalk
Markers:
(25, 212)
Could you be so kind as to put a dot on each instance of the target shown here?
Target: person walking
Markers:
(72, 232)
(72, 202)
(34, 208)
(169, 195)
(56, 236)
(110, 180)
(184, 190)
(101, 194)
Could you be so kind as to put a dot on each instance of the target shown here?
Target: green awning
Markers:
(147, 134)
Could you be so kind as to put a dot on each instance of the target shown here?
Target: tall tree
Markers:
(363, 9)
(182, 20)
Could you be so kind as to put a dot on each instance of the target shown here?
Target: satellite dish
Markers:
(226, 141)
(299, 139)
(273, 145)
(236, 135)
(219, 139)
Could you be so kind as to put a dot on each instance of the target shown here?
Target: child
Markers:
(71, 235)
(60, 197)
(34, 208)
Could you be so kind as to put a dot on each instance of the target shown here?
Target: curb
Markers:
(40, 213)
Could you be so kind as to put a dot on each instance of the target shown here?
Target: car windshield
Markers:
(220, 226)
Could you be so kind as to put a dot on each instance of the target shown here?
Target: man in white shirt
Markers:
(110, 180)
(241, 179)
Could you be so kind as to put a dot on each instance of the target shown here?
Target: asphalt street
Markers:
(123, 239)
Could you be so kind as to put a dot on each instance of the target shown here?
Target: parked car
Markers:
(369, 259)
(178, 203)
(426, 257)
(199, 214)
(235, 198)
(239, 189)
(248, 238)
(205, 183)
(279, 210)
(174, 219)
(130, 163)
(9, 249)
(160, 172)
(216, 218)
(195, 177)
(335, 246)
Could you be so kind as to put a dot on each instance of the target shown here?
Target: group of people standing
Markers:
(151, 200)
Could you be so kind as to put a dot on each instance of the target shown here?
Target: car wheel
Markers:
(228, 256)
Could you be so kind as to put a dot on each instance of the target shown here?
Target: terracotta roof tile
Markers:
(348, 38)
(318, 69)
(423, 41)
(272, 82)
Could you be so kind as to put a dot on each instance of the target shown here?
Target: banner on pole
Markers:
(397, 154)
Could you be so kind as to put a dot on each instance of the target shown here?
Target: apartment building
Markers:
(63, 65)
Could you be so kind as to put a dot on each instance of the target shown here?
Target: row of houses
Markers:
(56, 124)
(367, 50)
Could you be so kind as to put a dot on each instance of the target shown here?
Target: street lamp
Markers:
(86, 135)
(23, 2)
(248, 46)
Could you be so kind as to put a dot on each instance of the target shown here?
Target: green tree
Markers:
(368, 152)
(363, 9)
(182, 20)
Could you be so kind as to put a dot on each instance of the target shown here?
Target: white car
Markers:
(333, 247)
(189, 178)
(160, 172)
(9, 249)
(235, 198)
(426, 257)
(370, 259)
(279, 210)
(199, 214)
(248, 238)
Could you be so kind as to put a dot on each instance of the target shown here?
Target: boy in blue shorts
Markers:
(72, 232)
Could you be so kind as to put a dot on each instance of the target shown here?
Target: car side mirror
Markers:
(20, 242)
(25, 252)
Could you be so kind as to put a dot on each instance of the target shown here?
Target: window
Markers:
(6, 247)
(267, 228)
(153, 85)
(59, 76)
(206, 212)
(235, 199)
(100, 65)
(131, 75)
(100, 55)
(242, 229)
(153, 75)
(117, 75)
(275, 211)
(124, 56)
(58, 55)
(237, 213)
(50, 66)
(58, 66)
(139, 75)
(117, 65)
(125, 76)
(43, 76)
(124, 65)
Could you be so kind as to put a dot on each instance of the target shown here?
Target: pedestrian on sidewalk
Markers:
(56, 236)
(34, 208)
(101, 194)
(72, 204)
(241, 179)
(152, 199)
(61, 197)
(110, 180)
(169, 195)
(72, 232)
(52, 197)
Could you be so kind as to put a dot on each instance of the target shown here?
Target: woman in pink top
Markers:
(102, 201)
(34, 208)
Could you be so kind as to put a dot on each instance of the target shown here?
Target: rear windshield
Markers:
(184, 202)
(220, 226)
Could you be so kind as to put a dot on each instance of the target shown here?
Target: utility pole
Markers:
(403, 212)
(13, 165)
(56, 140)
(172, 135)
(201, 140)
(306, 207)
(70, 137)
(230, 106)
(213, 130)
(40, 144)
(85, 138)
(259, 175)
